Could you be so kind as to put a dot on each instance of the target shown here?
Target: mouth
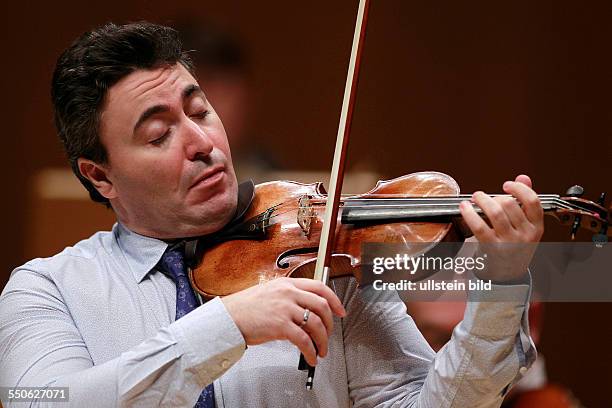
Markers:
(209, 177)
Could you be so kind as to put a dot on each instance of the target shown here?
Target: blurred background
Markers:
(479, 90)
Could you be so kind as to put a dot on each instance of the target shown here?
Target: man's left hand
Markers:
(514, 232)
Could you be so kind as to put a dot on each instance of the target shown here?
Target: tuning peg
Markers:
(575, 191)
(602, 199)
(575, 225)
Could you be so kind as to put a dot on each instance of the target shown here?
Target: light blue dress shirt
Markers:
(99, 318)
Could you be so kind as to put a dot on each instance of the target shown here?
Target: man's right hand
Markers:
(275, 311)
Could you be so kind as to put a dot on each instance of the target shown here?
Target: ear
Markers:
(98, 176)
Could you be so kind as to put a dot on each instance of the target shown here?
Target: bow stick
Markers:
(326, 243)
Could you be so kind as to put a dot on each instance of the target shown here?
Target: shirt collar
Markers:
(142, 253)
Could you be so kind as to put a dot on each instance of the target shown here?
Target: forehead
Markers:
(143, 88)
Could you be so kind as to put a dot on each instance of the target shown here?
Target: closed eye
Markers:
(201, 115)
(161, 139)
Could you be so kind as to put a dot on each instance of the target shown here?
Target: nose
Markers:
(197, 142)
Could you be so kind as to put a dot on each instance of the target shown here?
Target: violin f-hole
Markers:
(283, 259)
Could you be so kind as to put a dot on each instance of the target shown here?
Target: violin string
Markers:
(387, 198)
(397, 197)
(366, 195)
(425, 205)
(557, 202)
(545, 198)
(408, 203)
(548, 199)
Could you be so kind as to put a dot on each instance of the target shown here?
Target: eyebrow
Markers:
(188, 92)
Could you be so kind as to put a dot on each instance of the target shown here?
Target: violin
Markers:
(279, 234)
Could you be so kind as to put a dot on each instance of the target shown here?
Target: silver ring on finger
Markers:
(305, 317)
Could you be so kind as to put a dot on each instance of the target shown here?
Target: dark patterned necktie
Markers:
(173, 262)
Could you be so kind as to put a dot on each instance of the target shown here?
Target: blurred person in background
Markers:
(222, 63)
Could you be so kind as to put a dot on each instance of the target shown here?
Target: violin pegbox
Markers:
(581, 213)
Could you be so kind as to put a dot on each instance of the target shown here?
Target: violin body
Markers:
(285, 219)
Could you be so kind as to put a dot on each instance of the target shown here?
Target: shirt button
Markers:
(523, 370)
(225, 363)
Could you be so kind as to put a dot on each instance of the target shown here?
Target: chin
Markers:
(222, 216)
(215, 213)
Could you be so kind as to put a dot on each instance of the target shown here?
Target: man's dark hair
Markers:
(89, 67)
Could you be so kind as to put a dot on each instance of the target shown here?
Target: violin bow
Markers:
(326, 243)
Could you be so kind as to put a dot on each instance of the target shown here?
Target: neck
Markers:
(391, 208)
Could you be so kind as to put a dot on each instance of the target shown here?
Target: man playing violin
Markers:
(111, 319)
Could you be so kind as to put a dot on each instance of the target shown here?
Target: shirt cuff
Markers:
(496, 313)
(211, 340)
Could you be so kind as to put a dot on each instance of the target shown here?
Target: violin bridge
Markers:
(305, 214)
(265, 219)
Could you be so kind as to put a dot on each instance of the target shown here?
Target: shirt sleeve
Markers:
(41, 346)
(389, 363)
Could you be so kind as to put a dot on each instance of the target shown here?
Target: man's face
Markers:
(169, 166)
